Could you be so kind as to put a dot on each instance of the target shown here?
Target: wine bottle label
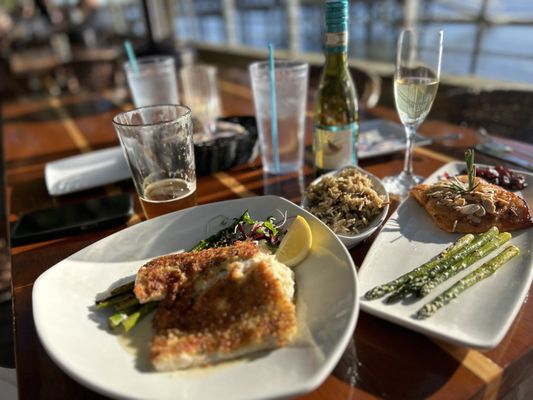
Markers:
(336, 42)
(335, 146)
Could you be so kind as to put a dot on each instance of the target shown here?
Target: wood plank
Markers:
(75, 134)
(233, 184)
(483, 367)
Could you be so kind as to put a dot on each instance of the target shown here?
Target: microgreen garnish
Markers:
(243, 228)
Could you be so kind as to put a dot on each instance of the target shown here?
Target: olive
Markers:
(505, 180)
(518, 182)
(503, 171)
(501, 176)
(491, 173)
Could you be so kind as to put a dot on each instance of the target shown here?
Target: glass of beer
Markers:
(158, 144)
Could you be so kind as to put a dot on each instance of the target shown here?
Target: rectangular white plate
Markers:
(480, 316)
(77, 338)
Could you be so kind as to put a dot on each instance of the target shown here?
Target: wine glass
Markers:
(416, 79)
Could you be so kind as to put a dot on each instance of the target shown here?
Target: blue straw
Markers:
(131, 56)
(274, 117)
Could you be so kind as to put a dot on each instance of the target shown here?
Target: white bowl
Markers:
(352, 240)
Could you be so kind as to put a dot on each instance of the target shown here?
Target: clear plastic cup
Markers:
(291, 99)
(154, 82)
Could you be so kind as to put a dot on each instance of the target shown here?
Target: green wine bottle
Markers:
(336, 110)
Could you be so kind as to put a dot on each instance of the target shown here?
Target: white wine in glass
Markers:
(414, 98)
(416, 80)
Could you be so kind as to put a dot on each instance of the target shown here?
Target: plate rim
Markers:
(316, 378)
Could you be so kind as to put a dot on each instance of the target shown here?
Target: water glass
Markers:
(153, 81)
(281, 152)
(200, 90)
(158, 144)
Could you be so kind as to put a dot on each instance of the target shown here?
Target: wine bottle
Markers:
(336, 110)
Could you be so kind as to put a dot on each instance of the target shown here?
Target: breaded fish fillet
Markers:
(229, 302)
(473, 211)
(169, 273)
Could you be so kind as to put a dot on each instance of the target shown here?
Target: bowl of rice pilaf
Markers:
(351, 202)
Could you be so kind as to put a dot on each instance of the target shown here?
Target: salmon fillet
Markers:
(218, 304)
(472, 212)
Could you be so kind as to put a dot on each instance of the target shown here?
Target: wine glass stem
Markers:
(410, 132)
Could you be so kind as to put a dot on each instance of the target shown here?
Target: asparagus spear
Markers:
(127, 303)
(116, 295)
(486, 270)
(465, 263)
(120, 316)
(129, 317)
(127, 287)
(416, 283)
(409, 288)
(113, 300)
(382, 290)
(138, 314)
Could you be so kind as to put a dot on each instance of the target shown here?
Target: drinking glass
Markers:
(416, 79)
(158, 144)
(153, 81)
(200, 91)
(282, 149)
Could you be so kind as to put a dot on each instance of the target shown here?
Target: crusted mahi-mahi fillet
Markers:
(476, 211)
(168, 274)
(218, 304)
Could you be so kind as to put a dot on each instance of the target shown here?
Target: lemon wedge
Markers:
(296, 243)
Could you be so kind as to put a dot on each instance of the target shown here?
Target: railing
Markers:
(479, 41)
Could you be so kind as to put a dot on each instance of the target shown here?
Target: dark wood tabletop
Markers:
(383, 360)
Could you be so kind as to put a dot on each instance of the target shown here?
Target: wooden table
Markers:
(382, 359)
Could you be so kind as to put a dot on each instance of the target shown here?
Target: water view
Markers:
(487, 38)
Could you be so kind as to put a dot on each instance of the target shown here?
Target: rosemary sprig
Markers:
(460, 187)
(470, 168)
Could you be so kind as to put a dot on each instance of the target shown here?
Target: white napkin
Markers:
(86, 171)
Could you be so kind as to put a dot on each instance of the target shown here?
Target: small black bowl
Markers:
(227, 150)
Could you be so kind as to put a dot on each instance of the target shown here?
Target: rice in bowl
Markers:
(346, 202)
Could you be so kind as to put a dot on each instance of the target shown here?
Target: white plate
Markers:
(479, 317)
(77, 339)
(379, 137)
(86, 171)
(353, 240)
